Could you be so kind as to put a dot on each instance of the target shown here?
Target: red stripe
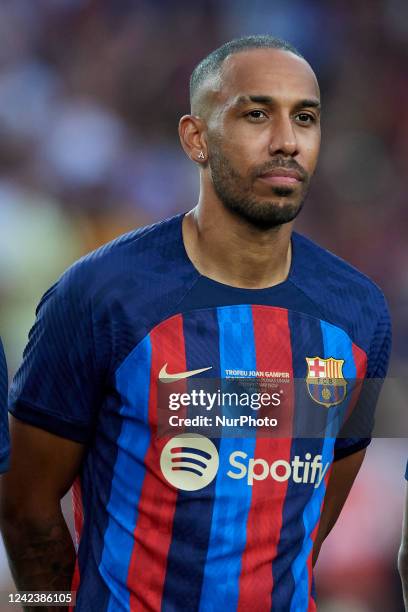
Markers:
(273, 353)
(153, 531)
(312, 605)
(360, 362)
(78, 508)
(78, 523)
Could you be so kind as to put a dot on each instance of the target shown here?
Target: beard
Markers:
(236, 195)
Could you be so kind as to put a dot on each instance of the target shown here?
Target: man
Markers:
(403, 553)
(4, 432)
(225, 288)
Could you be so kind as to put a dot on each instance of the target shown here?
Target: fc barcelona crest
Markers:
(325, 381)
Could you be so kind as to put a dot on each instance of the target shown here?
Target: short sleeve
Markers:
(58, 385)
(356, 433)
(4, 430)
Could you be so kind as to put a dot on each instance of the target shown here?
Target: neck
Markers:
(229, 250)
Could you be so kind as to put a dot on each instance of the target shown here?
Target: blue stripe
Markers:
(306, 340)
(337, 344)
(233, 497)
(311, 515)
(133, 383)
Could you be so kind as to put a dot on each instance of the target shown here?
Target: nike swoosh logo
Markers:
(165, 377)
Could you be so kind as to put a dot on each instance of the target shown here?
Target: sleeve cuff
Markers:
(24, 411)
(341, 453)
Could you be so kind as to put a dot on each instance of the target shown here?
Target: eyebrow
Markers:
(270, 101)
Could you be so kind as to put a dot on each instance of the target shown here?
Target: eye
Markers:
(256, 115)
(305, 118)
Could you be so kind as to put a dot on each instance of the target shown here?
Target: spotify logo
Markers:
(189, 462)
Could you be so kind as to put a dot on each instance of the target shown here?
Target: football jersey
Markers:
(137, 309)
(4, 430)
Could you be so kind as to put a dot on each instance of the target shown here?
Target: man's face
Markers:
(264, 135)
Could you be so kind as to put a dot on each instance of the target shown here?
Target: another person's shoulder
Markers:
(4, 434)
(345, 296)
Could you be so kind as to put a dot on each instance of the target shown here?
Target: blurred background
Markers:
(90, 97)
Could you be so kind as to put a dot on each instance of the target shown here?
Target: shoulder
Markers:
(4, 433)
(123, 289)
(345, 296)
(129, 261)
(332, 271)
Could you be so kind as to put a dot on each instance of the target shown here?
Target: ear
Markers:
(192, 138)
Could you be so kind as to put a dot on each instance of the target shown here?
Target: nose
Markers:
(283, 139)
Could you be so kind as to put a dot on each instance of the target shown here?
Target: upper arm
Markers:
(43, 467)
(54, 396)
(343, 474)
(58, 386)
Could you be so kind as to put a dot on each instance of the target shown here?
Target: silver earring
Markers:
(201, 155)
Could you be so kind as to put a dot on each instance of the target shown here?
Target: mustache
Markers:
(279, 162)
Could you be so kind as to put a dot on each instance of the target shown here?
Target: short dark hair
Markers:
(213, 62)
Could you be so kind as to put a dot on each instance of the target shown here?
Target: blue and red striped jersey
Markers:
(4, 430)
(137, 309)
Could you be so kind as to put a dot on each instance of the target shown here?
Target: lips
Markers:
(282, 176)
